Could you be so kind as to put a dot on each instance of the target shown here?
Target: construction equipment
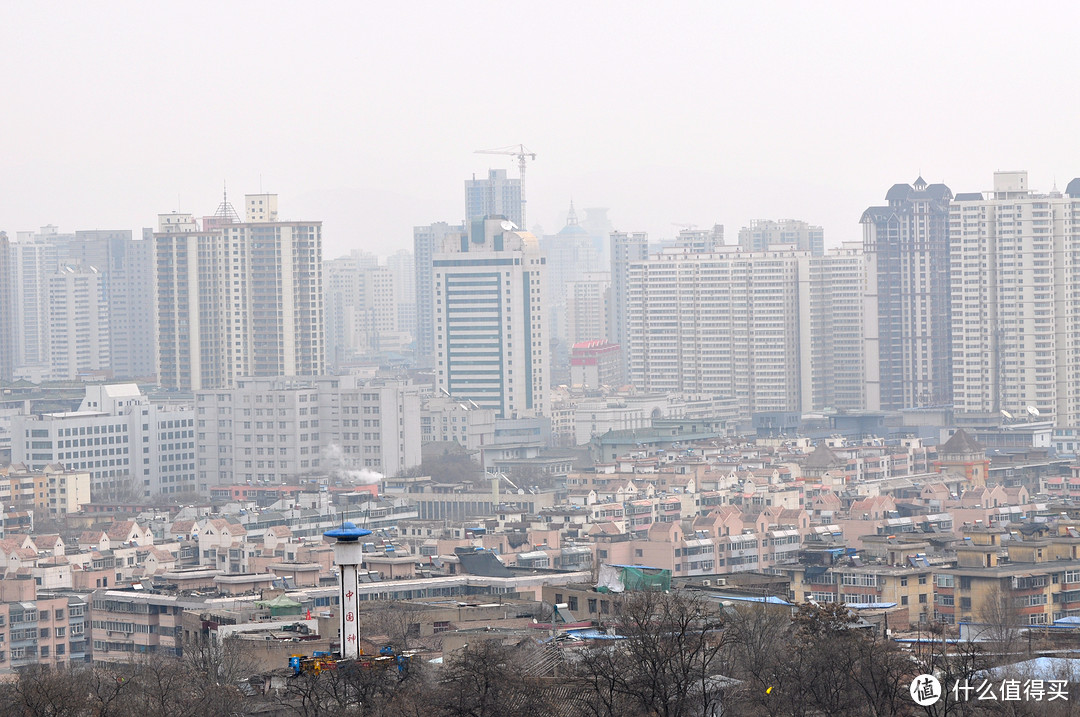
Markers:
(522, 153)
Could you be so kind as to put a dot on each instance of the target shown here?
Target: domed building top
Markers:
(572, 228)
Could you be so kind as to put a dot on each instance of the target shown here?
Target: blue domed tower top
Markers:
(348, 532)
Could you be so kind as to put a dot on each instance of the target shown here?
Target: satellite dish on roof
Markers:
(507, 225)
(1032, 411)
(1006, 414)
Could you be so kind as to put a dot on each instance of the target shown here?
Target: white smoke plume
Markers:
(336, 464)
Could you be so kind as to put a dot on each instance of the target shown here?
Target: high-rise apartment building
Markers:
(598, 225)
(495, 195)
(626, 248)
(570, 255)
(907, 249)
(360, 309)
(1015, 326)
(241, 299)
(427, 240)
(700, 240)
(403, 270)
(133, 338)
(7, 327)
(765, 233)
(728, 324)
(596, 363)
(125, 269)
(490, 325)
(588, 307)
(33, 258)
(837, 327)
(77, 321)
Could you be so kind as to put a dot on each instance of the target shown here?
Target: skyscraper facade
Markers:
(243, 299)
(77, 332)
(626, 248)
(33, 259)
(7, 329)
(132, 323)
(403, 271)
(587, 308)
(909, 358)
(361, 314)
(570, 254)
(495, 195)
(1013, 287)
(426, 241)
(837, 328)
(727, 323)
(490, 327)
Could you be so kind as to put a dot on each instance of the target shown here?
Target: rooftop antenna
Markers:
(226, 213)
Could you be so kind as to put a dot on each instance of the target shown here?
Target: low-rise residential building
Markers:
(52, 492)
(1034, 576)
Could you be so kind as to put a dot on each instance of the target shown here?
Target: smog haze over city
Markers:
(556, 359)
(367, 115)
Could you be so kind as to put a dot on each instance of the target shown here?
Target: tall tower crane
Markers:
(522, 153)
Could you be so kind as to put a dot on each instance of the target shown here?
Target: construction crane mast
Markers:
(522, 153)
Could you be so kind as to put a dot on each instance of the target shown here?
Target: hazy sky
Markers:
(365, 115)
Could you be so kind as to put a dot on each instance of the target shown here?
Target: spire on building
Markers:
(226, 213)
(571, 216)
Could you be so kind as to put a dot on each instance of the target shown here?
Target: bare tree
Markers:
(223, 663)
(670, 661)
(489, 679)
(399, 621)
(1000, 618)
(166, 687)
(758, 645)
(42, 692)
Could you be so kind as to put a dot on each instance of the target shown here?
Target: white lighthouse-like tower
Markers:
(348, 555)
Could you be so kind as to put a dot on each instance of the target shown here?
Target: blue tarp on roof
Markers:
(771, 600)
(639, 567)
(869, 605)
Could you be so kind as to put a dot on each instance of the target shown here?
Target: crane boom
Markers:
(522, 153)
